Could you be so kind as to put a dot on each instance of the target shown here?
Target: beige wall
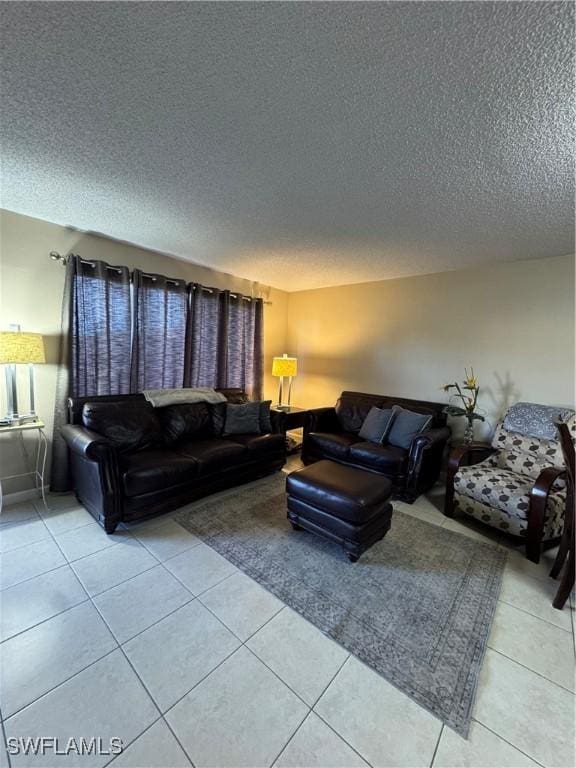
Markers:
(31, 295)
(514, 323)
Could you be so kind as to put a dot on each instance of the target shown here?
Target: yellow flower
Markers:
(470, 380)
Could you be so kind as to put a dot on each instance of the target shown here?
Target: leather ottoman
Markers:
(344, 504)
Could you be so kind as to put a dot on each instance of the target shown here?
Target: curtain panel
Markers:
(125, 332)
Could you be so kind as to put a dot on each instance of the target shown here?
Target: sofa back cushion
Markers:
(130, 426)
(185, 421)
(352, 411)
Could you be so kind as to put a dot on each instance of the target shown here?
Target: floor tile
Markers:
(84, 541)
(535, 643)
(106, 700)
(156, 748)
(242, 604)
(240, 715)
(377, 720)
(482, 749)
(166, 540)
(39, 599)
(57, 501)
(472, 530)
(27, 562)
(3, 754)
(43, 657)
(200, 568)
(315, 745)
(526, 710)
(299, 653)
(18, 513)
(517, 561)
(21, 534)
(138, 603)
(109, 567)
(64, 519)
(190, 643)
(533, 596)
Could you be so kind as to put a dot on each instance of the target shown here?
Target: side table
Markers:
(290, 417)
(17, 431)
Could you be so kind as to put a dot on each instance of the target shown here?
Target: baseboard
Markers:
(19, 496)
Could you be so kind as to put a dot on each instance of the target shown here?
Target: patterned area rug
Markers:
(417, 607)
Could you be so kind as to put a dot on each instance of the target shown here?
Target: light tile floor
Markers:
(152, 637)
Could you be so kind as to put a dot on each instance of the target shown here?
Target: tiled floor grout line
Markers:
(558, 685)
(129, 744)
(534, 616)
(437, 745)
(518, 749)
(300, 724)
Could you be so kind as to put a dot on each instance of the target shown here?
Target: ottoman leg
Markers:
(295, 526)
(352, 558)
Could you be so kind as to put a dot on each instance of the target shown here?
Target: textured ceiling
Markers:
(296, 144)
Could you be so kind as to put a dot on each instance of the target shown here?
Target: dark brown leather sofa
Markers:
(332, 433)
(130, 460)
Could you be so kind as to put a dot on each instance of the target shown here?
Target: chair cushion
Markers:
(350, 494)
(154, 470)
(501, 489)
(387, 459)
(185, 420)
(260, 444)
(130, 426)
(333, 444)
(214, 454)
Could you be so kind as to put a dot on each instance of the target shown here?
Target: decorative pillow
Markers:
(535, 420)
(265, 423)
(130, 426)
(405, 426)
(185, 421)
(376, 425)
(242, 419)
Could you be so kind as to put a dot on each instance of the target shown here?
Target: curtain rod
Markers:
(55, 256)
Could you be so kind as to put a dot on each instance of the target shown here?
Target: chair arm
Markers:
(545, 481)
(425, 460)
(536, 516)
(278, 422)
(321, 420)
(464, 454)
(86, 443)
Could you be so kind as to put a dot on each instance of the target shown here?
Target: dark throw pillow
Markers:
(405, 426)
(242, 419)
(130, 426)
(376, 425)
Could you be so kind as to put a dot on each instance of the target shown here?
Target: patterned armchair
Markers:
(516, 484)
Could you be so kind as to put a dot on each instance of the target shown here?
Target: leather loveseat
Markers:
(130, 460)
(332, 433)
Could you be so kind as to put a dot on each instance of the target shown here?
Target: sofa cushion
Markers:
(388, 459)
(333, 444)
(185, 420)
(214, 454)
(406, 425)
(242, 419)
(130, 426)
(261, 444)
(155, 470)
(352, 411)
(376, 425)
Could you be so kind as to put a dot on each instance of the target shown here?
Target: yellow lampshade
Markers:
(284, 366)
(18, 347)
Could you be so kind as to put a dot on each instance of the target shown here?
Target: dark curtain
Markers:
(101, 334)
(160, 309)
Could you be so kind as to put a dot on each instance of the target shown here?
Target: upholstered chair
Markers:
(516, 484)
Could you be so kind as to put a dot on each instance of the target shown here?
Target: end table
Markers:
(291, 417)
(17, 431)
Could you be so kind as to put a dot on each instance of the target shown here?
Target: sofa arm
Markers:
(95, 474)
(425, 461)
(321, 420)
(86, 443)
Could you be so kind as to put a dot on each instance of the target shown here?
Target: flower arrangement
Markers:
(467, 394)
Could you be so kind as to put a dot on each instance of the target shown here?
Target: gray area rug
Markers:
(417, 607)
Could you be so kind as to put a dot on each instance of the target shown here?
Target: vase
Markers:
(469, 432)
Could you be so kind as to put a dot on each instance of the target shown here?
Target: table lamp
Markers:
(17, 348)
(284, 367)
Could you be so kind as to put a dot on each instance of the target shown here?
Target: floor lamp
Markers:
(284, 367)
(17, 348)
